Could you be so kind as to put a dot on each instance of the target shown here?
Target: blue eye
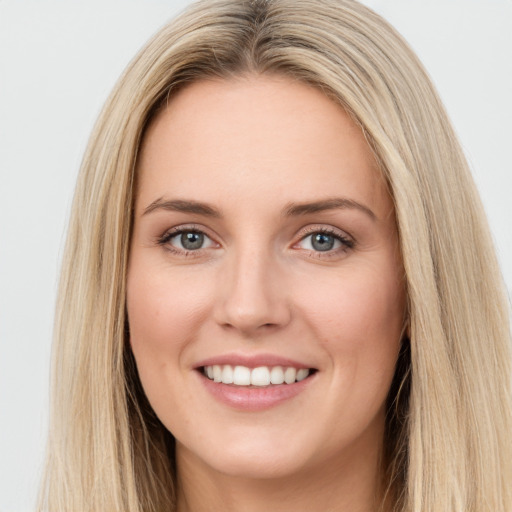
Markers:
(191, 240)
(324, 241)
(186, 240)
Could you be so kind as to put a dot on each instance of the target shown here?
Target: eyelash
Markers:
(346, 242)
(174, 232)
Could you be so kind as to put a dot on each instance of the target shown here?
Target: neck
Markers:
(351, 485)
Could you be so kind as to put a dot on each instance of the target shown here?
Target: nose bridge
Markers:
(253, 295)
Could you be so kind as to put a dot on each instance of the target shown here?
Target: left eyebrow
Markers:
(296, 209)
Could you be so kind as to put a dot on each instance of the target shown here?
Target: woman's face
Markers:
(264, 248)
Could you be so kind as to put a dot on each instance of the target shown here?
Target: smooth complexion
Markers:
(265, 234)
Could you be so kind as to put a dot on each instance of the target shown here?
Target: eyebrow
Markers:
(290, 210)
(296, 209)
(185, 206)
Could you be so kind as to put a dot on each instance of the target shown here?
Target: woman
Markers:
(279, 287)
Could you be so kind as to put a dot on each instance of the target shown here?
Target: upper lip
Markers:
(252, 361)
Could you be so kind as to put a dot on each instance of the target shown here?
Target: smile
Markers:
(261, 376)
(254, 383)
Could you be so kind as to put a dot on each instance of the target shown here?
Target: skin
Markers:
(251, 147)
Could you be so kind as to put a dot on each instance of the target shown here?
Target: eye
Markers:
(325, 241)
(186, 240)
(321, 242)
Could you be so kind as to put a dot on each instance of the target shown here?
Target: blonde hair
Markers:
(449, 424)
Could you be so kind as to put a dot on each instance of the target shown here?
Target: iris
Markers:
(322, 242)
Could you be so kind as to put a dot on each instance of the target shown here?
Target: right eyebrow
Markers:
(181, 205)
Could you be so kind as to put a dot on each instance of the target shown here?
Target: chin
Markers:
(257, 459)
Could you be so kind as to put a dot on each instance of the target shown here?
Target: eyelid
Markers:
(347, 241)
(169, 234)
(322, 228)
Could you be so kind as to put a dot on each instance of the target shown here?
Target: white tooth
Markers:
(260, 376)
(227, 374)
(209, 372)
(302, 374)
(217, 373)
(242, 376)
(277, 375)
(289, 375)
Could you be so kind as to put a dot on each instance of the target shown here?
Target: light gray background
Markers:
(58, 61)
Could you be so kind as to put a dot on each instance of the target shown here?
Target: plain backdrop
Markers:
(59, 60)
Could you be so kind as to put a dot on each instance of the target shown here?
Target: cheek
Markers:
(164, 315)
(356, 301)
(357, 317)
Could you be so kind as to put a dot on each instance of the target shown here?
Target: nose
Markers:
(253, 296)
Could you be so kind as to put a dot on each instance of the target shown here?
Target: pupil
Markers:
(322, 242)
(192, 241)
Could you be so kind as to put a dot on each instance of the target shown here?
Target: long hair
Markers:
(448, 432)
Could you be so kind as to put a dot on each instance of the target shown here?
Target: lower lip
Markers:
(247, 398)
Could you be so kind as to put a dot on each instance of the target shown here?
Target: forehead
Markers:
(257, 135)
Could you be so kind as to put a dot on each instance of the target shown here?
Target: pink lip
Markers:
(251, 361)
(252, 399)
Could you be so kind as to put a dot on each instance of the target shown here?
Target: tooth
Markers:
(260, 376)
(302, 374)
(289, 375)
(227, 374)
(242, 376)
(277, 375)
(217, 373)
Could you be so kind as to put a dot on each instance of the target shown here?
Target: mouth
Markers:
(261, 376)
(255, 382)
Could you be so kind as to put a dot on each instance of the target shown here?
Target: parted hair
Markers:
(448, 427)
